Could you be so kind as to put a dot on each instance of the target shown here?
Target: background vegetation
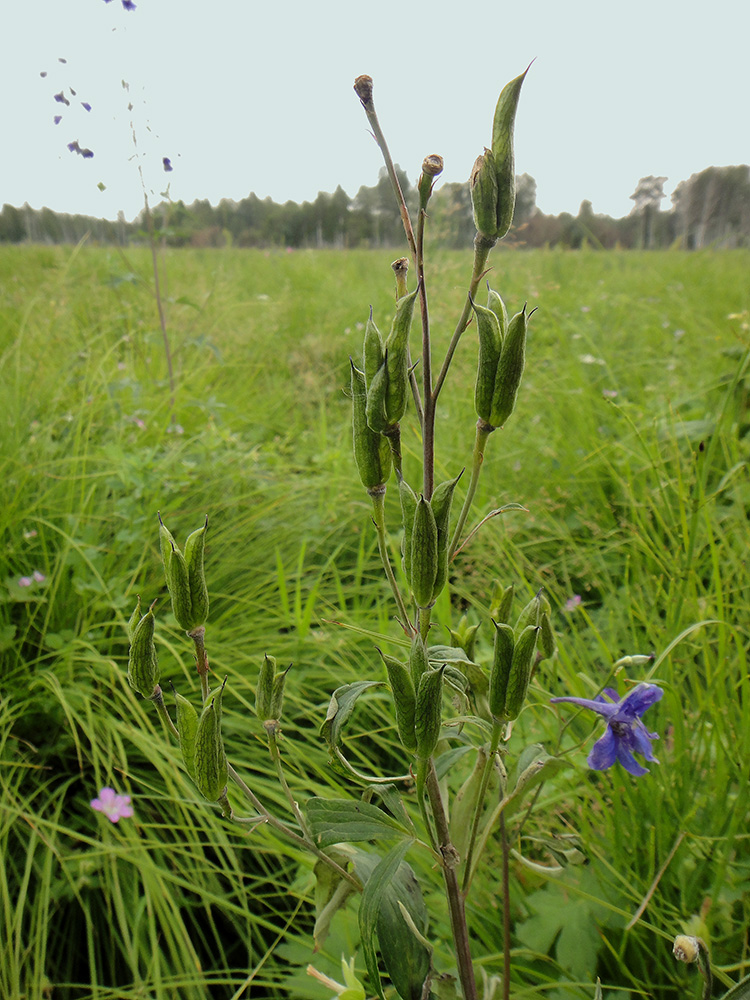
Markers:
(630, 451)
(711, 208)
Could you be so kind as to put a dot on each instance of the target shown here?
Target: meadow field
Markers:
(629, 450)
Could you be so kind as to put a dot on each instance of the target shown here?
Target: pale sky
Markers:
(245, 96)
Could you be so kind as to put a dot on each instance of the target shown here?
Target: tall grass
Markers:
(630, 452)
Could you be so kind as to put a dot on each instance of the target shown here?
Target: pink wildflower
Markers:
(25, 581)
(115, 807)
(573, 602)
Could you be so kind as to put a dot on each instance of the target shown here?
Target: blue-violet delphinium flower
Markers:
(625, 733)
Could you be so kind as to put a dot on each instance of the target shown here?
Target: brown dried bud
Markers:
(432, 165)
(363, 89)
(401, 269)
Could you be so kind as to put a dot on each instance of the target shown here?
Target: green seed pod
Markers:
(532, 612)
(187, 727)
(143, 666)
(418, 659)
(520, 671)
(546, 645)
(408, 499)
(502, 149)
(373, 354)
(501, 602)
(210, 760)
(424, 554)
(502, 659)
(464, 637)
(483, 188)
(509, 370)
(429, 710)
(277, 695)
(372, 466)
(442, 498)
(194, 552)
(397, 358)
(377, 419)
(490, 345)
(496, 304)
(178, 582)
(166, 544)
(133, 620)
(404, 700)
(264, 688)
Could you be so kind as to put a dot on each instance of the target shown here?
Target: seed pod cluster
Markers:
(143, 665)
(501, 362)
(386, 367)
(372, 453)
(515, 653)
(426, 538)
(269, 693)
(493, 180)
(428, 712)
(185, 575)
(404, 700)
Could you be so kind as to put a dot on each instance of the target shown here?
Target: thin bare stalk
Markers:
(480, 442)
(482, 247)
(494, 743)
(272, 729)
(363, 89)
(506, 908)
(158, 699)
(198, 636)
(378, 505)
(453, 893)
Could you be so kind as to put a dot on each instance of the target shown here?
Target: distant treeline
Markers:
(711, 208)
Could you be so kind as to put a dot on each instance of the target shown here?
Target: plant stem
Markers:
(198, 636)
(283, 829)
(506, 909)
(428, 420)
(482, 247)
(378, 505)
(494, 743)
(272, 729)
(158, 699)
(480, 442)
(453, 893)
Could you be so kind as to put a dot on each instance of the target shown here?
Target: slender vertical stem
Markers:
(198, 636)
(453, 893)
(468, 860)
(506, 908)
(482, 247)
(483, 432)
(272, 730)
(378, 505)
(158, 699)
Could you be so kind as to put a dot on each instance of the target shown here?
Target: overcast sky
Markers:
(244, 96)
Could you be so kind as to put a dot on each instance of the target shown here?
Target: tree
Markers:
(648, 197)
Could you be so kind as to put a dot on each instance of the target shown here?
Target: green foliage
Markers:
(637, 502)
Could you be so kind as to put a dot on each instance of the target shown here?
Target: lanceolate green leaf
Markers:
(388, 882)
(340, 709)
(336, 821)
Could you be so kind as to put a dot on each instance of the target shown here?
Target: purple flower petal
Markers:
(603, 752)
(115, 807)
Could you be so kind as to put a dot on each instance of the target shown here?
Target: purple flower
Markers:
(25, 581)
(573, 602)
(115, 807)
(625, 733)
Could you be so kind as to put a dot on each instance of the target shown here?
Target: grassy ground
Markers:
(629, 448)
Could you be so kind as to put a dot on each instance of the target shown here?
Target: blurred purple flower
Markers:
(128, 4)
(57, 119)
(61, 98)
(115, 807)
(25, 581)
(85, 105)
(167, 164)
(39, 577)
(573, 602)
(625, 733)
